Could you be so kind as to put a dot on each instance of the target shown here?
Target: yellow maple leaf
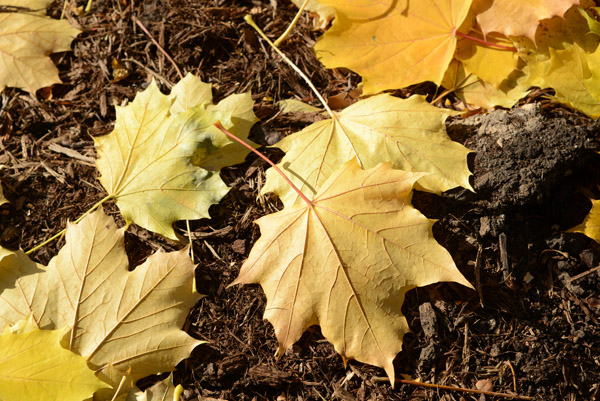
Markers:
(161, 161)
(517, 17)
(34, 366)
(566, 58)
(409, 133)
(26, 41)
(123, 322)
(393, 44)
(346, 261)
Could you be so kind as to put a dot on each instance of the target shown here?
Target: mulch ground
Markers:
(531, 328)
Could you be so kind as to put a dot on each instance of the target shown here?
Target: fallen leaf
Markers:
(123, 322)
(37, 6)
(19, 280)
(591, 223)
(33, 366)
(393, 44)
(26, 41)
(476, 92)
(161, 391)
(409, 133)
(566, 58)
(517, 17)
(346, 261)
(162, 167)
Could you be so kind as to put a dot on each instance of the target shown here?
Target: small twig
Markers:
(450, 388)
(504, 258)
(585, 273)
(137, 21)
(514, 376)
(478, 274)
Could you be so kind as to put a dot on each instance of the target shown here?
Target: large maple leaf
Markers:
(517, 17)
(26, 41)
(409, 133)
(161, 162)
(33, 366)
(346, 261)
(123, 322)
(393, 44)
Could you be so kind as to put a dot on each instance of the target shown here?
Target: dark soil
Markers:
(531, 328)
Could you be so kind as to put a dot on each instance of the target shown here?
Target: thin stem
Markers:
(292, 25)
(461, 389)
(265, 158)
(61, 233)
(249, 20)
(163, 51)
(486, 43)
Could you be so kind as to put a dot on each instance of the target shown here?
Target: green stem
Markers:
(265, 158)
(249, 20)
(61, 233)
(485, 42)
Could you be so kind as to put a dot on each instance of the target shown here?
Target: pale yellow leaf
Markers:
(26, 41)
(130, 320)
(517, 17)
(393, 44)
(163, 390)
(33, 366)
(147, 162)
(125, 323)
(409, 133)
(346, 262)
(189, 92)
(20, 280)
(238, 108)
(34, 5)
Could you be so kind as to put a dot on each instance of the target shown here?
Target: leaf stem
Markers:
(250, 21)
(61, 233)
(485, 42)
(265, 158)
(292, 24)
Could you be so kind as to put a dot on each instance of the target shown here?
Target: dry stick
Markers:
(585, 273)
(137, 21)
(292, 25)
(265, 158)
(450, 388)
(250, 21)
